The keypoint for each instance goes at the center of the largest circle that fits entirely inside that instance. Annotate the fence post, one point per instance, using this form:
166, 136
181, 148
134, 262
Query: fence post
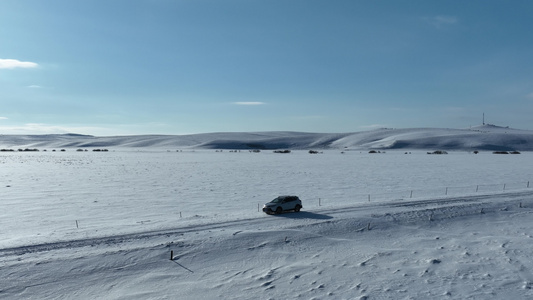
504, 186
477, 188
446, 193
528, 184
411, 194
368, 197
319, 202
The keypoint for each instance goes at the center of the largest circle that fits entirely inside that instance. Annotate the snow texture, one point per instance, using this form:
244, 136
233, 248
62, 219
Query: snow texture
394, 225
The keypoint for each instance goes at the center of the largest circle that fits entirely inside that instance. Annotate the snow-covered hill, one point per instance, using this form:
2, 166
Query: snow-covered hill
485, 137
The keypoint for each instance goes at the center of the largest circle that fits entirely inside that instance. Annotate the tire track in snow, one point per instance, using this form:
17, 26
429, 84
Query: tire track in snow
434, 203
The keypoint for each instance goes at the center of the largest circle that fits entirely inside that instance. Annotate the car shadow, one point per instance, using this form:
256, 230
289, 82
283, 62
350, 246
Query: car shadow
303, 215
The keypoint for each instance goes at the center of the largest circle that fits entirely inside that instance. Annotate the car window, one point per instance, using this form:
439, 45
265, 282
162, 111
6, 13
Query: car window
284, 199
277, 200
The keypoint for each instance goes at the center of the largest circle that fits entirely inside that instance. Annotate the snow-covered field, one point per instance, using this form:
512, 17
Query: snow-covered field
102, 225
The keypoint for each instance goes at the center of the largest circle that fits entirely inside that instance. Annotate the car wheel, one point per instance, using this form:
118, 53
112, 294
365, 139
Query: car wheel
297, 208
278, 210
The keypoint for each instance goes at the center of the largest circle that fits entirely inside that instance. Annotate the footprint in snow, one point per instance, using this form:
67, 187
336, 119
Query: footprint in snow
268, 275
266, 283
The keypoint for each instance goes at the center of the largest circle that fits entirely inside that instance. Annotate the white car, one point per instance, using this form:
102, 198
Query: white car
283, 203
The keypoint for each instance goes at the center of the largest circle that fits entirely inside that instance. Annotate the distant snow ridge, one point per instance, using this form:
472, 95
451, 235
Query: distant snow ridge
485, 137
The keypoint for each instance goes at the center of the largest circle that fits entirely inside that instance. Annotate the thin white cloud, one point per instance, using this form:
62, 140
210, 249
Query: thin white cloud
441, 21
249, 103
14, 63
529, 96
310, 117
34, 86
38, 128
373, 126
3, 118
41, 128
33, 128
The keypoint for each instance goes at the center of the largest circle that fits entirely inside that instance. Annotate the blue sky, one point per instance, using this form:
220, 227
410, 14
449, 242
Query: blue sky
122, 67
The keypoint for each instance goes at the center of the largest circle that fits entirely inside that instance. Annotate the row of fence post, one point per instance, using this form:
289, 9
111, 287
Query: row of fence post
411, 193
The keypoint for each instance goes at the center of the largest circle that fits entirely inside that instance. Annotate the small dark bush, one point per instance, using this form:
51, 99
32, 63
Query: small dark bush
282, 151
438, 152
28, 150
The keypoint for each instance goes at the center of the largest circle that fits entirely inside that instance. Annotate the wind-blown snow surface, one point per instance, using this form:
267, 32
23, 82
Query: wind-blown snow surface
102, 225
486, 137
